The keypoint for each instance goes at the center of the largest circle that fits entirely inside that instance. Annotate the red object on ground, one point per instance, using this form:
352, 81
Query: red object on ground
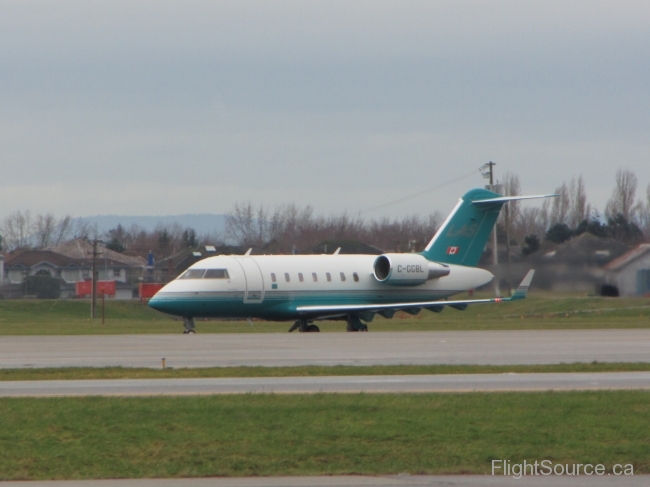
85, 288
148, 289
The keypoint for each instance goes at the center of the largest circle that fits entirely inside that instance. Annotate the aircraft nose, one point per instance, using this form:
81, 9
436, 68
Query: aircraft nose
155, 303
159, 303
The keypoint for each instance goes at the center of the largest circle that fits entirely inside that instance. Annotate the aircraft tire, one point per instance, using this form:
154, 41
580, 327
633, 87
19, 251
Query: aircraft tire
313, 328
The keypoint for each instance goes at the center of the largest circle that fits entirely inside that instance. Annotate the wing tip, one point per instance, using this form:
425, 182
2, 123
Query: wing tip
524, 285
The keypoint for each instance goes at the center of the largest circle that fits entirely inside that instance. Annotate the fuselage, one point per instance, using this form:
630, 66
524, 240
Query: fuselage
273, 286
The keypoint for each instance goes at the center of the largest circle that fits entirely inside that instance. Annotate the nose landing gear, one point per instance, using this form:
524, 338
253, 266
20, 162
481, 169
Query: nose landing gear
188, 323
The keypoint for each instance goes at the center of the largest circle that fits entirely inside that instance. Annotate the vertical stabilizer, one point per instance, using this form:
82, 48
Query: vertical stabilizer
462, 237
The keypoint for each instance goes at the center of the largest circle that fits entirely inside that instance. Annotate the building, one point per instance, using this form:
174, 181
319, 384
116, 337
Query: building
630, 273
72, 262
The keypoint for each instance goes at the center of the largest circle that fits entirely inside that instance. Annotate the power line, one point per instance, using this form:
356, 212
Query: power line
419, 193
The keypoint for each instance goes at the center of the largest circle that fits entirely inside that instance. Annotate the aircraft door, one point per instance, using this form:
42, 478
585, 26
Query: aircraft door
254, 281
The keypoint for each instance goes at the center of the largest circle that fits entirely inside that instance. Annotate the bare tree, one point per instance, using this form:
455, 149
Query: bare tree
18, 229
247, 226
511, 187
531, 221
579, 209
644, 216
622, 201
63, 230
561, 206
288, 228
44, 230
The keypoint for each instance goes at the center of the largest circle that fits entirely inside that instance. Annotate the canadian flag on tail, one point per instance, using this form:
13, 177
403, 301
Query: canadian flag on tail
452, 250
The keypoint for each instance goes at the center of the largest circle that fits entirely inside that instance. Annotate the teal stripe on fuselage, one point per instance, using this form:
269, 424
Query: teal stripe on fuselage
279, 305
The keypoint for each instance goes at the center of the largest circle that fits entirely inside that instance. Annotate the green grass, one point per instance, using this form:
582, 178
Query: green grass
87, 373
543, 311
77, 438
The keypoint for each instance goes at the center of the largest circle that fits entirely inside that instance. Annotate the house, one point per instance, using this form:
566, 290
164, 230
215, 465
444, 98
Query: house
577, 265
630, 273
72, 262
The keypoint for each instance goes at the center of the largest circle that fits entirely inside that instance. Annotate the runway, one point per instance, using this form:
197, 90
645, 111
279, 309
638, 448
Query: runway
355, 481
338, 384
296, 349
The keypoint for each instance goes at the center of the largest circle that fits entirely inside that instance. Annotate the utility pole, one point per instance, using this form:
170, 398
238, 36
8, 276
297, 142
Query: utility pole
93, 300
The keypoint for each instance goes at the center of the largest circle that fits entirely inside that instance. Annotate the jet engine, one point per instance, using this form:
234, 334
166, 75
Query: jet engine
407, 269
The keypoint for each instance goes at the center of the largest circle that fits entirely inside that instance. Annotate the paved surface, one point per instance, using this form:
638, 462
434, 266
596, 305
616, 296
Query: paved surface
357, 481
275, 349
352, 384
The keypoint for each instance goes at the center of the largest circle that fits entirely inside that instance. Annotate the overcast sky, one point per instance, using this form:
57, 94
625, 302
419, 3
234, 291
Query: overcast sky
160, 107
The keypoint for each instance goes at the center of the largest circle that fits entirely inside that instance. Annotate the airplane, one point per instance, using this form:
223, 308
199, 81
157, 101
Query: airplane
351, 288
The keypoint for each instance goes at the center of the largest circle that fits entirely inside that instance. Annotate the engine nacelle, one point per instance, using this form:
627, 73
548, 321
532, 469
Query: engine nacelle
407, 269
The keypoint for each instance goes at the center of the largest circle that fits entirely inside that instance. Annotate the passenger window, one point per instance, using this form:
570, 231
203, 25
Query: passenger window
342, 277
286, 277
300, 278
329, 276
193, 274
314, 276
216, 274
273, 277
355, 276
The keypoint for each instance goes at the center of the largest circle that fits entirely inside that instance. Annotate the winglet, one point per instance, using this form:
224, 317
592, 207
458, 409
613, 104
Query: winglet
522, 289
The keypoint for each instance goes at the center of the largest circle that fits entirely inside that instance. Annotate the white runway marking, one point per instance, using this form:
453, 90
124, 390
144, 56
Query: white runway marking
338, 384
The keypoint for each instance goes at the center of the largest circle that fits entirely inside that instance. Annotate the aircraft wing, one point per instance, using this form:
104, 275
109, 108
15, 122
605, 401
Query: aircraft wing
520, 293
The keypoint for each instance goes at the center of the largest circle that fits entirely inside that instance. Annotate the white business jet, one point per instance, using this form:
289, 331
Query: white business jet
352, 288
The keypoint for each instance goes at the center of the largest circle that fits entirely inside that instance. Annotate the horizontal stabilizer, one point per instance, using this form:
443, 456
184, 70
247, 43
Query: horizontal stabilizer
505, 199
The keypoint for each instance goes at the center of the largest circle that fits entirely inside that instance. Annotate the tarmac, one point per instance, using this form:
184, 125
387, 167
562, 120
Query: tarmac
298, 349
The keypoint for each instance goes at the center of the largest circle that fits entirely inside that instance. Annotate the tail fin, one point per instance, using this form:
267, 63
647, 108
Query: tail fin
462, 237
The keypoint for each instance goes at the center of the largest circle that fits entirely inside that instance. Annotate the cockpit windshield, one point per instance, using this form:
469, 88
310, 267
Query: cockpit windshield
216, 274
193, 274
205, 274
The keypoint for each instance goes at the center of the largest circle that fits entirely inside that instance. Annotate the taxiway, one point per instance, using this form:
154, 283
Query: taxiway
297, 349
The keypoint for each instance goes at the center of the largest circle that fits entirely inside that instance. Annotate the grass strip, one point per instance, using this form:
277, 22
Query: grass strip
538, 312
81, 373
251, 435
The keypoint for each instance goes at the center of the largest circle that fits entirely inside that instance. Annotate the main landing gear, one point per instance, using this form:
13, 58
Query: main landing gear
188, 323
304, 326
355, 324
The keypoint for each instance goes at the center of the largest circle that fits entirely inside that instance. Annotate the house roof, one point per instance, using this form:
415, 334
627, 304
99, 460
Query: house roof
29, 258
587, 248
629, 257
82, 250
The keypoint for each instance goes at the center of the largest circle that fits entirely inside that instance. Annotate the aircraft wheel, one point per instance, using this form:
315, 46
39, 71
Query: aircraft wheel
313, 328
365, 328
189, 332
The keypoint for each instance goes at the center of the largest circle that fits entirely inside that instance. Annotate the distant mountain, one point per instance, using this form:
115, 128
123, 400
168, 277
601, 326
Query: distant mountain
202, 223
